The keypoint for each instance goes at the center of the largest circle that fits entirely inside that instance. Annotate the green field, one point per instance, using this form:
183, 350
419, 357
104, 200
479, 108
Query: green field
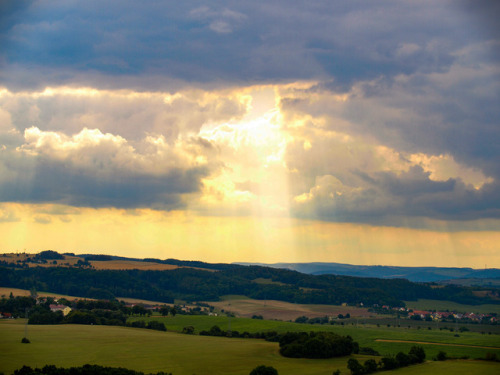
430, 304
152, 351
366, 336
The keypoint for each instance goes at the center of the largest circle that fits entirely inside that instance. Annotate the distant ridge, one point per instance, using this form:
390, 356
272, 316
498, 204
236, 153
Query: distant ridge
415, 274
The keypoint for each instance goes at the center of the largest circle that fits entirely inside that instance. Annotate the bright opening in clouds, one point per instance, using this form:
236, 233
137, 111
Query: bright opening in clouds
352, 131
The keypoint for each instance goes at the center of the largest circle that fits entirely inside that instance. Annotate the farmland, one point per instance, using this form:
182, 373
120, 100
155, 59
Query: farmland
204, 299
467, 343
151, 351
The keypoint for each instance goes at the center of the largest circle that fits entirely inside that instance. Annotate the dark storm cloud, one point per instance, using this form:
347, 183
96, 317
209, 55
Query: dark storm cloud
62, 183
152, 43
386, 198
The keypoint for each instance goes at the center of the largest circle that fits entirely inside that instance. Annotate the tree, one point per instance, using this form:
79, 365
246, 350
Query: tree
264, 370
164, 310
403, 359
139, 309
355, 367
216, 331
441, 356
156, 325
301, 319
389, 363
416, 354
370, 366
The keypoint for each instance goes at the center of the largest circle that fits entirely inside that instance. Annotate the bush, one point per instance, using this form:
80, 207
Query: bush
389, 363
441, 356
316, 345
491, 356
45, 317
370, 366
368, 351
158, 326
301, 319
355, 367
137, 324
264, 370
403, 359
416, 354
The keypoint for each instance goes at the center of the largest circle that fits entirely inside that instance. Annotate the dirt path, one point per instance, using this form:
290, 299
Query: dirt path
439, 343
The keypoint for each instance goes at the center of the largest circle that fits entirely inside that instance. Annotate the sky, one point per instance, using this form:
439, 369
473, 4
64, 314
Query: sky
361, 132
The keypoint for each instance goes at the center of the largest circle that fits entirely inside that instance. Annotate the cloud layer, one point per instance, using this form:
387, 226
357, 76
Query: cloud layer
124, 44
364, 112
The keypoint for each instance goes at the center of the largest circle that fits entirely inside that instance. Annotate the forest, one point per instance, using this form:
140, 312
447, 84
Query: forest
216, 280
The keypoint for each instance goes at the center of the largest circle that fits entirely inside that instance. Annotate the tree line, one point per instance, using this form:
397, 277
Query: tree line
80, 370
415, 355
195, 285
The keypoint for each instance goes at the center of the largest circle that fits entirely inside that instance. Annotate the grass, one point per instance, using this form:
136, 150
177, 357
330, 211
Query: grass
366, 336
152, 351
145, 350
460, 367
429, 304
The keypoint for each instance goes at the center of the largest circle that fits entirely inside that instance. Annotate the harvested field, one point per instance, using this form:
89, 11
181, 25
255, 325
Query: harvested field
280, 310
130, 265
5, 292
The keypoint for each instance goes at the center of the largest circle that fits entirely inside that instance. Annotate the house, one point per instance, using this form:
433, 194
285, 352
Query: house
65, 309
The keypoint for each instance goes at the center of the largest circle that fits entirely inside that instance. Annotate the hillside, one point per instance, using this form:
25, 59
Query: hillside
197, 281
416, 274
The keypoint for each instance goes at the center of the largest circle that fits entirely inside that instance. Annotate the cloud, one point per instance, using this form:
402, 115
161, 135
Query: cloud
388, 150
126, 113
222, 22
387, 198
95, 169
7, 214
151, 46
42, 219
386, 110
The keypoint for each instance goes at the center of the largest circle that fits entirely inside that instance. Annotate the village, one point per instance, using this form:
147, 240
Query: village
450, 316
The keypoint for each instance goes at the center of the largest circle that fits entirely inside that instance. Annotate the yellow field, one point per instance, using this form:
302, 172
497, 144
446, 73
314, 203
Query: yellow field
70, 260
5, 292
270, 309
130, 265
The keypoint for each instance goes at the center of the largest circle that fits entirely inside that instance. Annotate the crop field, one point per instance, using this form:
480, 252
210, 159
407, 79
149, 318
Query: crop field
271, 309
5, 292
472, 344
130, 265
152, 351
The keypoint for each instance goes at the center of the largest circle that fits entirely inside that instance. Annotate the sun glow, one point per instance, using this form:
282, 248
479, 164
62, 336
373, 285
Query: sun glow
254, 149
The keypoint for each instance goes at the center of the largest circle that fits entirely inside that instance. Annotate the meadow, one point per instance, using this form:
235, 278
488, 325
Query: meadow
471, 344
152, 351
